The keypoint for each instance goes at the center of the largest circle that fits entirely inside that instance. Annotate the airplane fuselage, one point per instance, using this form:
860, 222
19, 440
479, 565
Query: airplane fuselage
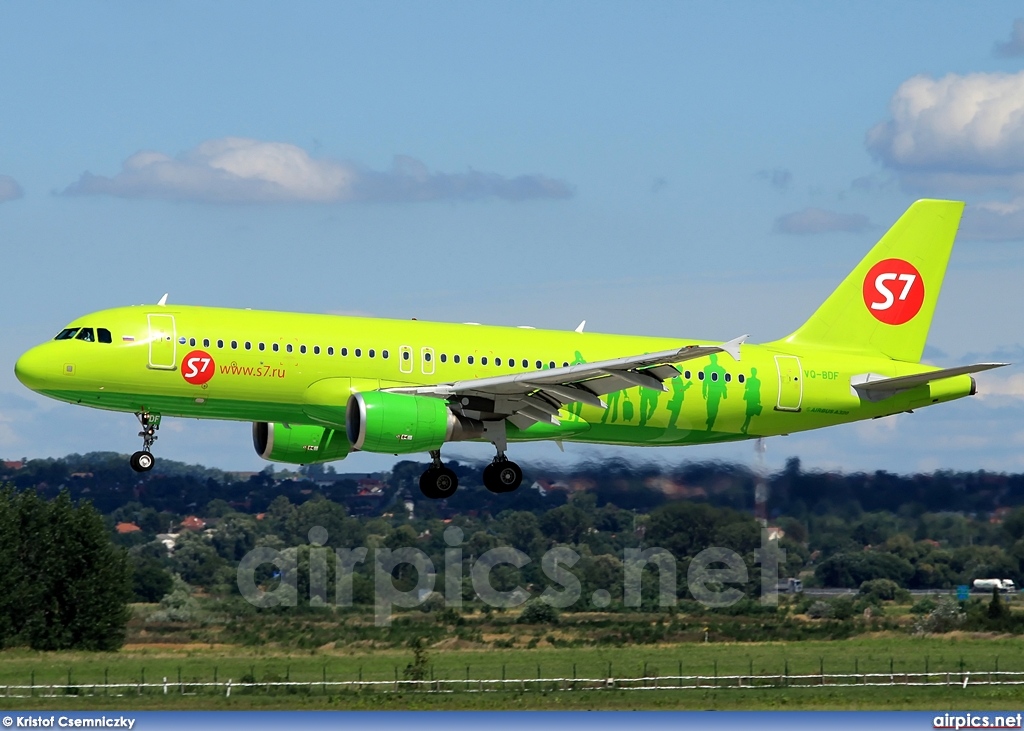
213, 363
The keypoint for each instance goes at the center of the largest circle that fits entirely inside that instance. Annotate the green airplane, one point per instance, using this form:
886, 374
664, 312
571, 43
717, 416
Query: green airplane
317, 387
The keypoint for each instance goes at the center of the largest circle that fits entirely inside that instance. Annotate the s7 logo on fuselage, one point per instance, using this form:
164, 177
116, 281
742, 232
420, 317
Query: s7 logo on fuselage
893, 291
197, 367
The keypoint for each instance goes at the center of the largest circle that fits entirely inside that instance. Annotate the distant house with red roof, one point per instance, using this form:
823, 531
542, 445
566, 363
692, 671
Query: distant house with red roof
126, 528
193, 523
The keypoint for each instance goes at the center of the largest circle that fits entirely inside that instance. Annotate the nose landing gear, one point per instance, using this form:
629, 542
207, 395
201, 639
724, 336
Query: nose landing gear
143, 460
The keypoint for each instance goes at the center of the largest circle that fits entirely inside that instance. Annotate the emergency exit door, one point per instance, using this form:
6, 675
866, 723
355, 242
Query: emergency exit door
791, 385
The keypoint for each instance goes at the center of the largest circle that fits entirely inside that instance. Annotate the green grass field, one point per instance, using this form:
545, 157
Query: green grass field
50, 673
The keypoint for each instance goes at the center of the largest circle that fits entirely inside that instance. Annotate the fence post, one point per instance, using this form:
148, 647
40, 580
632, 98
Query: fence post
680, 681
106, 676
180, 688
165, 685
323, 680
716, 672
856, 670
32, 685
142, 686
821, 669
228, 694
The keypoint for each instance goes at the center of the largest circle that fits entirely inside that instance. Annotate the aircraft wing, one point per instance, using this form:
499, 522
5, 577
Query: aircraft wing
526, 398
874, 387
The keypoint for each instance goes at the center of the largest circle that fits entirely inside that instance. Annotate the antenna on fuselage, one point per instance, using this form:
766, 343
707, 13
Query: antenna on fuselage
579, 328
163, 300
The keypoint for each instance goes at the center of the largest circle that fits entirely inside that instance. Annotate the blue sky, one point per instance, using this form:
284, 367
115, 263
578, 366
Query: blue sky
694, 169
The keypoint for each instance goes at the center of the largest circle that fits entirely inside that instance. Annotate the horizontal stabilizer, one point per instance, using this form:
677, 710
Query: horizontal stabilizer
874, 387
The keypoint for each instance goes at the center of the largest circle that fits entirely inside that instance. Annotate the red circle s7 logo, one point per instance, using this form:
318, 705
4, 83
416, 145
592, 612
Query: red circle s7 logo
893, 291
197, 367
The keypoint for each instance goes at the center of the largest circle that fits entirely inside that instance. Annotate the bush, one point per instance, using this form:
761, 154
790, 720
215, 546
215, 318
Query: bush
923, 606
946, 617
884, 589
821, 610
538, 612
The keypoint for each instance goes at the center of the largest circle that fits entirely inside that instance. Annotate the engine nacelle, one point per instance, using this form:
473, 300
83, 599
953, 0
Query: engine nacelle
298, 443
398, 423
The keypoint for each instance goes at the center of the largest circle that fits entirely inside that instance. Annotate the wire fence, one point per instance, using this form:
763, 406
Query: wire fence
522, 685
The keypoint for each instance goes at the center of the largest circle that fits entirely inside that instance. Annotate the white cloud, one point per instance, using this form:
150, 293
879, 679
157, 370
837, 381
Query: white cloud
9, 189
966, 130
994, 390
239, 170
818, 221
1014, 46
994, 221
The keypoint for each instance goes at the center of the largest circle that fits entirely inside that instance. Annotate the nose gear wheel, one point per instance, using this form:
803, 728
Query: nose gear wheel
143, 460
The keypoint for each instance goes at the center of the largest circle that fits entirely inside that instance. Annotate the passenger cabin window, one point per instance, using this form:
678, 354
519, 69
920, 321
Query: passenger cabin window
86, 334
67, 333
288, 347
104, 335
206, 342
275, 347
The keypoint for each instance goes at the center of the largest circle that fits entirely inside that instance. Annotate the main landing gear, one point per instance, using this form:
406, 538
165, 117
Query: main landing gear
143, 460
438, 482
502, 475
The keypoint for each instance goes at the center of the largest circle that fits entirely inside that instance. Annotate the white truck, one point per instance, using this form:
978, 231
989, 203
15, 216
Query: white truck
1003, 585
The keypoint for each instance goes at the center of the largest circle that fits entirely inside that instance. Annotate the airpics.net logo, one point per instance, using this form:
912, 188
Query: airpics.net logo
894, 291
716, 577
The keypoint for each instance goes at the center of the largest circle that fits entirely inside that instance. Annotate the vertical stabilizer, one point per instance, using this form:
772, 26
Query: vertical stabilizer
886, 304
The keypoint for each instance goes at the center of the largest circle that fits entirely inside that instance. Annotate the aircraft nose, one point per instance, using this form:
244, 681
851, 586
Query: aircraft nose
31, 369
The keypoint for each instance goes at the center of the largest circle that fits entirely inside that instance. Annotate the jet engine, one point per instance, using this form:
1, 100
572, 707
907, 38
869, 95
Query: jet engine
397, 423
298, 443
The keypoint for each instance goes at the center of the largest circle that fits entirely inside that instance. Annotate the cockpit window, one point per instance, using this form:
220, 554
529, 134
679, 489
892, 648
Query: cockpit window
67, 333
104, 335
86, 334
